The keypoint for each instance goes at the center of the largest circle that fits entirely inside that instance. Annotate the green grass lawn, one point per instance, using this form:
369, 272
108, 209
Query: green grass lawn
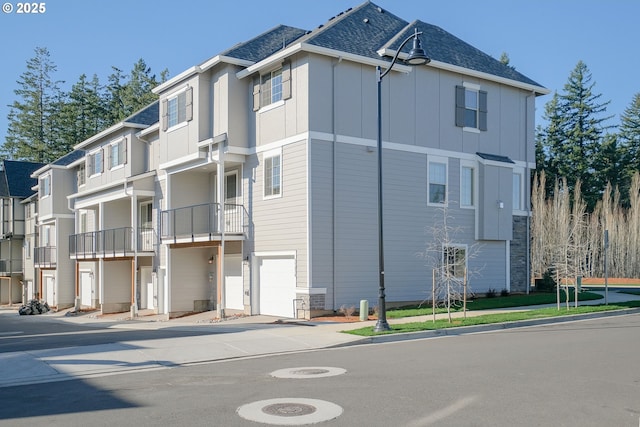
493, 318
493, 303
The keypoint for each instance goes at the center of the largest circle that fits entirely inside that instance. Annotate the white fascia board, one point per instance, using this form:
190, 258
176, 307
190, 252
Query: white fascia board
146, 131
119, 183
78, 162
200, 155
41, 170
304, 47
112, 129
197, 69
486, 76
183, 75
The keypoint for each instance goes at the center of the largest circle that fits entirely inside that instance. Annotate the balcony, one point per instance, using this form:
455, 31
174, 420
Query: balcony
10, 266
45, 257
113, 243
201, 222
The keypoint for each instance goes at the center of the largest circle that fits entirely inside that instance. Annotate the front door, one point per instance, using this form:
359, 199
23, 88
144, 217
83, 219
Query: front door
86, 289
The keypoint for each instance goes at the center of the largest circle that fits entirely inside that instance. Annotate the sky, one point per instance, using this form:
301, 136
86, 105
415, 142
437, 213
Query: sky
544, 39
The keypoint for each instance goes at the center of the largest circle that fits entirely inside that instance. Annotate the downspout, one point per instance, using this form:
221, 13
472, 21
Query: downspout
527, 184
333, 195
134, 267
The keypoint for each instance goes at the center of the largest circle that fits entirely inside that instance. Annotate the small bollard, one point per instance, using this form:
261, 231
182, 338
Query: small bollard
364, 310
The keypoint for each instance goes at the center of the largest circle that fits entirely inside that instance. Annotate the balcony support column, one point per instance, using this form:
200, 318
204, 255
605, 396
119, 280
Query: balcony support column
221, 223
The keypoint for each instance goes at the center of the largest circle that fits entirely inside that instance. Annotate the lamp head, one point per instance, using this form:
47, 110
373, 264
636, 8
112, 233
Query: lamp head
417, 55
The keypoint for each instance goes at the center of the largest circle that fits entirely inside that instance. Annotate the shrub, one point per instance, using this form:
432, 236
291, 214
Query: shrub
347, 311
491, 293
547, 283
504, 293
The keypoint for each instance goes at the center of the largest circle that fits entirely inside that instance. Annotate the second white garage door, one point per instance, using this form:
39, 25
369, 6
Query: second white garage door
277, 282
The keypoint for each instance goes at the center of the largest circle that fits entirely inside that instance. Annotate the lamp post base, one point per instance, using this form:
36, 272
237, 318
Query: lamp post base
381, 326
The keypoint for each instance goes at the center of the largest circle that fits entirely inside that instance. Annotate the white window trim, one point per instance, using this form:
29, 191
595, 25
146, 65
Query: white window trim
266, 155
175, 95
445, 161
84, 174
520, 207
41, 181
111, 144
271, 106
466, 254
476, 88
474, 191
90, 156
270, 73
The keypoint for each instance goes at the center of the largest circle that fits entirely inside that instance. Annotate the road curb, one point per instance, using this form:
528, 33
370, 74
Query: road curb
464, 330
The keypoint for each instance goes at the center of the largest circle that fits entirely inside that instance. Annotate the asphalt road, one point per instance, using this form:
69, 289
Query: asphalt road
574, 374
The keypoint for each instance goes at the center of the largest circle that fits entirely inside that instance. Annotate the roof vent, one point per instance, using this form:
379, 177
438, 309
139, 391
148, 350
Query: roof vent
380, 9
365, 20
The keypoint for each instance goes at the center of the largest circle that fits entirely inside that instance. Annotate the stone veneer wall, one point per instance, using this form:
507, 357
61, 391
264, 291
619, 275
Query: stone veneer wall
519, 270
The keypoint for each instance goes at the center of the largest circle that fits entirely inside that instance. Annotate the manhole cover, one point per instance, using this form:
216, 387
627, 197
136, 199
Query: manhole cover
289, 409
308, 372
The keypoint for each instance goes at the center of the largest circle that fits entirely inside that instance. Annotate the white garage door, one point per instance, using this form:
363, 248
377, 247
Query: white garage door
277, 283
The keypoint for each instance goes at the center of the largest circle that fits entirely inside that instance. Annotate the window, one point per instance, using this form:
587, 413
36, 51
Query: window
117, 153
272, 87
82, 222
471, 107
467, 185
517, 191
455, 261
27, 247
272, 174
45, 186
81, 175
177, 108
95, 162
146, 215
437, 182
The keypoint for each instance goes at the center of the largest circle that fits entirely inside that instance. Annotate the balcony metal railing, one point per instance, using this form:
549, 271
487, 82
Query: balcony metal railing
195, 221
10, 266
45, 257
115, 242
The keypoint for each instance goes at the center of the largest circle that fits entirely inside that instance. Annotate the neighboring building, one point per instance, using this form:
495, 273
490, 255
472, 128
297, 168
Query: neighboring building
15, 186
114, 243
54, 271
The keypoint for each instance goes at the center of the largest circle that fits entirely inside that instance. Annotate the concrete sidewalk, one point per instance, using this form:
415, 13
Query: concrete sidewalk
234, 338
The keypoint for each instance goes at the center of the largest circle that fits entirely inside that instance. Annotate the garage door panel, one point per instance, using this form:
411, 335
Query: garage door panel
277, 286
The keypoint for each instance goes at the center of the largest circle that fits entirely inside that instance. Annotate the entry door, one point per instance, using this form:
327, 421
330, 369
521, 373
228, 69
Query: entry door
148, 293
86, 289
146, 227
233, 292
49, 283
232, 212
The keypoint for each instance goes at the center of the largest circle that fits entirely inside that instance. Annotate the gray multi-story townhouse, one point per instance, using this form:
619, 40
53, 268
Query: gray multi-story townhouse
15, 187
254, 188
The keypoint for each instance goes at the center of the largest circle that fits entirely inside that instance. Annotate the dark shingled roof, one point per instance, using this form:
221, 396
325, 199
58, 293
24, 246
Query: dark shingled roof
146, 116
67, 159
15, 178
366, 29
495, 158
266, 44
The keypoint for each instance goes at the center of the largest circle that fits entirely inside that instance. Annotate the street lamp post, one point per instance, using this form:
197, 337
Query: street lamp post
416, 56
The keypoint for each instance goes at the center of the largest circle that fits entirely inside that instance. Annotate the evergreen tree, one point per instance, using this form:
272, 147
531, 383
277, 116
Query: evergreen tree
572, 140
83, 112
629, 131
550, 155
114, 98
608, 162
33, 119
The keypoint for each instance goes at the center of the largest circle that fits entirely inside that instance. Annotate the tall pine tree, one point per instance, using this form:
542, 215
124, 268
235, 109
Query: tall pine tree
34, 119
629, 131
573, 138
